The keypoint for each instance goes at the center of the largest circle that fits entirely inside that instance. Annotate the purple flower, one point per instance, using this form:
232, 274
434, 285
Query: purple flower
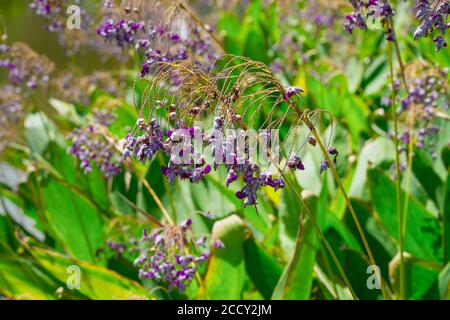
218, 244
187, 223
291, 91
90, 146
163, 256
324, 165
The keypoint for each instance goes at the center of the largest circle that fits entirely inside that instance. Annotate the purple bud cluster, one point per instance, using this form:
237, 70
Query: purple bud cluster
164, 256
291, 91
182, 156
145, 146
428, 98
324, 165
11, 111
51, 11
90, 146
295, 162
433, 16
244, 168
365, 9
159, 41
25, 67
183, 163
122, 32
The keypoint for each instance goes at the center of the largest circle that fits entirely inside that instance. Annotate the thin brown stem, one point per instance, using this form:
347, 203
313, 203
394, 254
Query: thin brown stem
322, 237
347, 200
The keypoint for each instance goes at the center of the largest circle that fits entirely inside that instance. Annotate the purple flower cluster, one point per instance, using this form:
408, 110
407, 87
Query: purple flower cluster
154, 56
182, 156
123, 32
145, 146
164, 257
90, 146
50, 10
11, 112
365, 9
25, 67
183, 163
253, 181
244, 168
428, 98
295, 162
433, 17
159, 41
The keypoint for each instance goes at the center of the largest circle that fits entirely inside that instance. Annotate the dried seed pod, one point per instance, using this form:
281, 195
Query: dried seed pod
312, 141
332, 150
141, 124
236, 117
173, 116
195, 110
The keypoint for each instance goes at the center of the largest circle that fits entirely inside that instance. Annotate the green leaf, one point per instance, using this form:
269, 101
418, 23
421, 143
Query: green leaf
419, 276
425, 174
74, 220
229, 26
446, 218
296, 280
423, 232
92, 185
373, 153
21, 279
225, 276
444, 283
354, 72
355, 112
261, 267
39, 131
95, 282
10, 208
289, 216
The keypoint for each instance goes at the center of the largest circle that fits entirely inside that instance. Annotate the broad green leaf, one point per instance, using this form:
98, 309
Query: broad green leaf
444, 283
425, 174
423, 232
419, 277
10, 208
95, 282
229, 26
373, 153
289, 216
74, 220
39, 131
225, 276
65, 110
354, 72
92, 185
296, 280
262, 268
355, 112
21, 279
446, 218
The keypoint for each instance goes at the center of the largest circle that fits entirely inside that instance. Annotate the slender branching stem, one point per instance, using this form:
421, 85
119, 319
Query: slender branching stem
347, 200
157, 200
398, 173
322, 236
404, 214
